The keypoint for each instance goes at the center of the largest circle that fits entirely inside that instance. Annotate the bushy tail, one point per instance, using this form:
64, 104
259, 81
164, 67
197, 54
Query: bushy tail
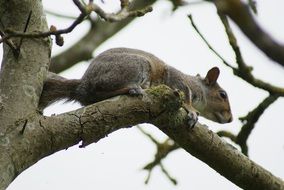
57, 89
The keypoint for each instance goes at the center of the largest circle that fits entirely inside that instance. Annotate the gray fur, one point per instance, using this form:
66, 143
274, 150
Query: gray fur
112, 71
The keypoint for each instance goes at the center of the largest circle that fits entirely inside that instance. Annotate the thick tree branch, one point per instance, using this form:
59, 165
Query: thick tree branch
21, 81
43, 136
222, 157
160, 106
22, 75
239, 12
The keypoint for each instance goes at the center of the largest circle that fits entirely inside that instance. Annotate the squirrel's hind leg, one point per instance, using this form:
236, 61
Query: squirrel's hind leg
131, 89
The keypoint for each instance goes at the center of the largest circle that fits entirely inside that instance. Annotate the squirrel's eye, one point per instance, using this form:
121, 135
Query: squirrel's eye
223, 94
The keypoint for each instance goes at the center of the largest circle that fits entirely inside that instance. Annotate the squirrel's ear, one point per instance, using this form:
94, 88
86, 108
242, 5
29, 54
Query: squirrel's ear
212, 76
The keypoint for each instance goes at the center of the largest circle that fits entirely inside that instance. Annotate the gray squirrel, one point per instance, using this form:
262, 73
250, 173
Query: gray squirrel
120, 71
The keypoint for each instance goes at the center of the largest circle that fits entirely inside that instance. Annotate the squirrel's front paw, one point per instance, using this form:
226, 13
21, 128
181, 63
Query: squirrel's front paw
136, 91
192, 118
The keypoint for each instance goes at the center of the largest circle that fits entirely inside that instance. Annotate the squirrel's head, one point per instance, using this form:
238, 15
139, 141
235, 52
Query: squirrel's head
216, 106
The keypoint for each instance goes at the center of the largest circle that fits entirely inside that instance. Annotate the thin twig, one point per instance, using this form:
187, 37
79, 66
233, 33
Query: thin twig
85, 10
240, 13
163, 149
250, 120
252, 5
244, 71
148, 135
173, 180
69, 29
227, 134
207, 43
10, 43
122, 14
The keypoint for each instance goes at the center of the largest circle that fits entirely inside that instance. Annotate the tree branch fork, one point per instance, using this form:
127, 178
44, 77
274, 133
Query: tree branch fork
161, 106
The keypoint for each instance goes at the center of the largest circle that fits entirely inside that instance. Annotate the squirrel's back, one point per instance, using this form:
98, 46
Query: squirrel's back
118, 70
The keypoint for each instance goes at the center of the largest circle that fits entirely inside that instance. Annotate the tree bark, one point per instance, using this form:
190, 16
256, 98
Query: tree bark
21, 78
224, 158
38, 136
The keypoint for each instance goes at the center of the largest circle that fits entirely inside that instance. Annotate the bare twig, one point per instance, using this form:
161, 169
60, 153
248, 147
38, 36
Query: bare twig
240, 14
85, 10
69, 29
163, 149
244, 71
227, 134
250, 120
208, 44
97, 34
10, 43
173, 180
252, 5
122, 14
148, 135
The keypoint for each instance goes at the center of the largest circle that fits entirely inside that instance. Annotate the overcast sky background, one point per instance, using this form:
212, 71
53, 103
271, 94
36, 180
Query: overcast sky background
115, 162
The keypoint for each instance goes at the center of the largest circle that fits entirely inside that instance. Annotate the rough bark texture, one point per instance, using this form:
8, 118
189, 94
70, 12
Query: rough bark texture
21, 77
21, 80
21, 147
224, 158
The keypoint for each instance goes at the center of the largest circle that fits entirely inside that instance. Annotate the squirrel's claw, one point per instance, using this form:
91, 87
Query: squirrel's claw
137, 91
192, 118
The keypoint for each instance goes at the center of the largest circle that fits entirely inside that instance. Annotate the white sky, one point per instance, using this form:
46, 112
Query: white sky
116, 161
